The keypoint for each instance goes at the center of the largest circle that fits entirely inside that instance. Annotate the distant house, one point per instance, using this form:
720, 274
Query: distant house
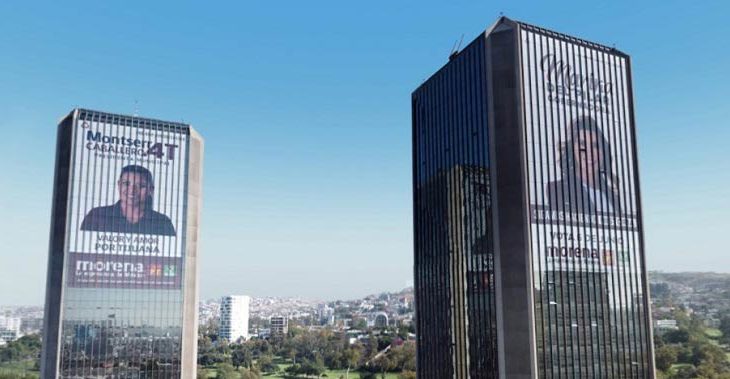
665, 324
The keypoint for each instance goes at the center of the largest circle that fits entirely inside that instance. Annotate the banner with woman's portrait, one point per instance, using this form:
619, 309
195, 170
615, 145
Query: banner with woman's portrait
580, 155
127, 205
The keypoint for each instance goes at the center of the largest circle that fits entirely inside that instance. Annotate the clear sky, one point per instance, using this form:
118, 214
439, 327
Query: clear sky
305, 108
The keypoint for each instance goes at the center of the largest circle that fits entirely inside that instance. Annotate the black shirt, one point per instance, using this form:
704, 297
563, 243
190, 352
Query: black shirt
567, 196
111, 219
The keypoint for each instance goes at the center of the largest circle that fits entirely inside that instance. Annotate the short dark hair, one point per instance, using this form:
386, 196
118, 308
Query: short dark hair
134, 169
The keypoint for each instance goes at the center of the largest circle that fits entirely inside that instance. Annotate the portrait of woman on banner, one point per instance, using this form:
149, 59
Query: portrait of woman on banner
587, 183
133, 212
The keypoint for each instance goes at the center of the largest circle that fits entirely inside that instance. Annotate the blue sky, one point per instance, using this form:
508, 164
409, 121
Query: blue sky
305, 108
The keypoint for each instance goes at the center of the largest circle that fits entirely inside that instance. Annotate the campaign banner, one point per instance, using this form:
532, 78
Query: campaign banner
103, 270
581, 249
127, 189
578, 138
580, 156
541, 214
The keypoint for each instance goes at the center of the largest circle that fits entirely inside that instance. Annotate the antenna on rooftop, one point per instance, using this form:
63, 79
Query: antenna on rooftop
456, 47
136, 108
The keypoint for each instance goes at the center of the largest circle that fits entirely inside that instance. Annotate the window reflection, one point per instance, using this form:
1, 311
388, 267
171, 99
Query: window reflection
454, 268
121, 338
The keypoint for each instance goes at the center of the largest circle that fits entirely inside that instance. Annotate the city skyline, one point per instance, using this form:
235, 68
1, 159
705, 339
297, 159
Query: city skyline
307, 181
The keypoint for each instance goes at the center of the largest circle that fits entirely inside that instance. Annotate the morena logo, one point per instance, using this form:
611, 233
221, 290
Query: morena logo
109, 266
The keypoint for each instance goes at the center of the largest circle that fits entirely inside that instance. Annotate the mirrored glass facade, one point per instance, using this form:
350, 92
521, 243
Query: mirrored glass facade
454, 268
529, 257
121, 296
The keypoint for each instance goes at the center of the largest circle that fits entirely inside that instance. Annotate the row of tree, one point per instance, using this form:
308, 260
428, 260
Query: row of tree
689, 352
24, 348
20, 354
309, 353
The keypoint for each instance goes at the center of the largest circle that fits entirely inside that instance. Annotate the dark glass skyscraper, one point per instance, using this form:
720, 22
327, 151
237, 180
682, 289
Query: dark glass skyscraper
529, 255
121, 296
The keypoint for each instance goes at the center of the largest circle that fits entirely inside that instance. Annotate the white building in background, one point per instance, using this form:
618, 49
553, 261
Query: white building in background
234, 317
9, 329
666, 324
10, 323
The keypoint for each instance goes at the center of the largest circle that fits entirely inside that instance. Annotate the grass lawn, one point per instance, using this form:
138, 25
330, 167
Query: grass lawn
678, 365
330, 374
18, 369
285, 363
333, 374
713, 333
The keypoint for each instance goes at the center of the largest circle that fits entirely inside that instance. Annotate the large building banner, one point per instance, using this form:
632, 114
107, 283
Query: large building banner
127, 206
580, 156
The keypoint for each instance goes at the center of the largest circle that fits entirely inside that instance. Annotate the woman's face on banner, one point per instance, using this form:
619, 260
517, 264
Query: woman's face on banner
134, 189
588, 152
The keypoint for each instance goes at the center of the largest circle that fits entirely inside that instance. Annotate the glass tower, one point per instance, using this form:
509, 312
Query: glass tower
121, 297
529, 255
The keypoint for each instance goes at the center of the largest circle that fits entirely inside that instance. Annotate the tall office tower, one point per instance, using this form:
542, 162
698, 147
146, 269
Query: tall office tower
122, 287
529, 252
234, 317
